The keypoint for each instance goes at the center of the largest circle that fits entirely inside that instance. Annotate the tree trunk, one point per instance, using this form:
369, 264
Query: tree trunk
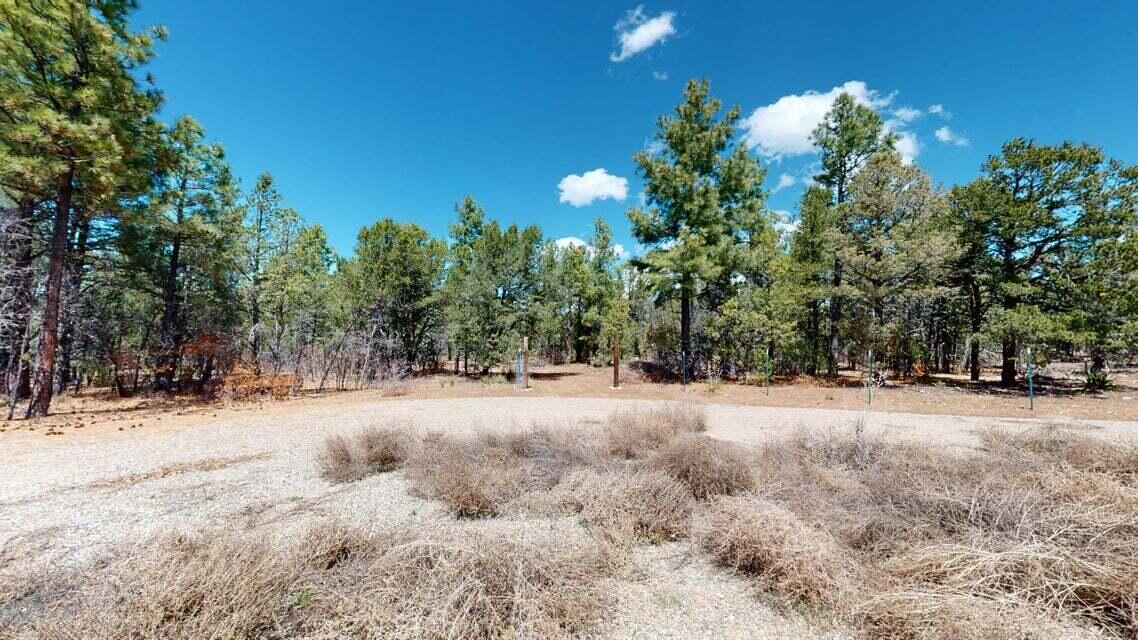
1008, 368
45, 365
77, 254
835, 319
16, 377
976, 312
167, 329
812, 337
685, 327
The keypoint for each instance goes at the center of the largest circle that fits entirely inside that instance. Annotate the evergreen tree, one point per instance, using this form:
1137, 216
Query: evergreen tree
896, 248
702, 190
846, 138
1037, 204
72, 115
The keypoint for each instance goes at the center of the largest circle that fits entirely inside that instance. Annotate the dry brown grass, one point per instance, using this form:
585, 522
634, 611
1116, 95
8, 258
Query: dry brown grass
471, 478
439, 582
791, 559
918, 614
634, 434
458, 583
176, 587
708, 467
1031, 536
373, 450
1039, 527
205, 464
627, 506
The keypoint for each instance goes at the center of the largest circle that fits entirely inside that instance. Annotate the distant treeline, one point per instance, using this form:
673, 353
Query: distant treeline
130, 256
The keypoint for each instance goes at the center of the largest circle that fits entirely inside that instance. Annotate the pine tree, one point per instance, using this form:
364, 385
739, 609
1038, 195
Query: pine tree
1037, 204
73, 117
896, 248
702, 190
846, 138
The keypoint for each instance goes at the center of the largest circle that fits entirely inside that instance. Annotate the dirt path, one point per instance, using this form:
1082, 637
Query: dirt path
94, 416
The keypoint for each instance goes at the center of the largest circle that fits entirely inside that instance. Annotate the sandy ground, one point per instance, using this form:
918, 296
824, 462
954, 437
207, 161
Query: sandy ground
73, 498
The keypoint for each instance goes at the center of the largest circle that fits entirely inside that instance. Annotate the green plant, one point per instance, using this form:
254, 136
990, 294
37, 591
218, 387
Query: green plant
302, 597
1098, 381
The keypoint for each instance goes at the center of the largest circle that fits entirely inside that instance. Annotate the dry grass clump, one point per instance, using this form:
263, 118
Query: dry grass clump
1036, 526
176, 587
709, 467
474, 478
792, 559
333, 583
458, 583
644, 505
1055, 445
373, 450
922, 614
1095, 586
633, 434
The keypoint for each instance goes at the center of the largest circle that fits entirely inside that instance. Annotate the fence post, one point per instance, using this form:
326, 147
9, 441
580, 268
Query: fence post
525, 362
869, 381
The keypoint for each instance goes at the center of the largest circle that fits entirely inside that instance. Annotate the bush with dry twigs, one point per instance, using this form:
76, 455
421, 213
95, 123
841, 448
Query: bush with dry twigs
1039, 526
626, 506
437, 582
634, 434
373, 450
791, 558
708, 467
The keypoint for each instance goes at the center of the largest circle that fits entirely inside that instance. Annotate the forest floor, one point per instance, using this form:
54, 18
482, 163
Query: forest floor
114, 472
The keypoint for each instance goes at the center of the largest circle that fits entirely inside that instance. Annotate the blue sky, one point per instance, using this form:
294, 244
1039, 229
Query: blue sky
365, 109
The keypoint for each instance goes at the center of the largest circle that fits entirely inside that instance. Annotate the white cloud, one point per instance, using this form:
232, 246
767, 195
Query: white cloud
948, 136
572, 242
785, 180
907, 114
784, 223
939, 110
660, 75
569, 242
908, 146
654, 147
637, 32
591, 186
783, 128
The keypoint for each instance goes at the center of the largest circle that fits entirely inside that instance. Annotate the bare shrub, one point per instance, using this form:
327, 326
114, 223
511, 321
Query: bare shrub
1039, 525
1058, 446
794, 560
929, 614
644, 505
472, 477
548, 451
709, 467
1090, 584
458, 583
178, 587
336, 582
633, 434
373, 450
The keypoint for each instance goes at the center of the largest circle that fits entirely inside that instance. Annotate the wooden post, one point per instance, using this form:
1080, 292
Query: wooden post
525, 362
616, 364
